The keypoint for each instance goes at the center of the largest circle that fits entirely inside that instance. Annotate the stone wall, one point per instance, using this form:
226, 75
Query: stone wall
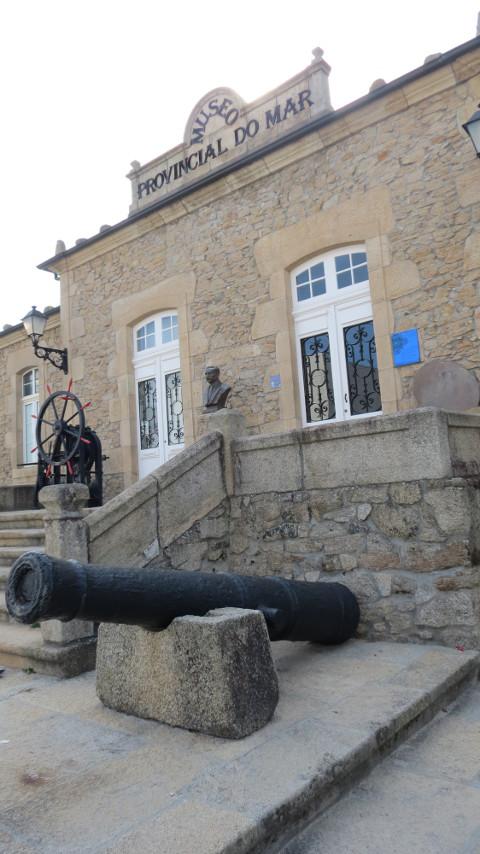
395, 172
407, 544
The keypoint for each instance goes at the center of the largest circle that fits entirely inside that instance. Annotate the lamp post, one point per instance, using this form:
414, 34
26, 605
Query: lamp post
34, 323
472, 127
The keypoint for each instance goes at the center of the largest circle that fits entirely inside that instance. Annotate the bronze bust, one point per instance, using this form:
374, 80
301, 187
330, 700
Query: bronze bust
216, 394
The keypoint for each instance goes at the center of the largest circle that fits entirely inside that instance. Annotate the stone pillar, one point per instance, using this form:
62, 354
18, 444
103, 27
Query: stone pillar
231, 423
65, 537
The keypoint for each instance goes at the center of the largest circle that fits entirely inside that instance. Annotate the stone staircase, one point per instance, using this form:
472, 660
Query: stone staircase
20, 531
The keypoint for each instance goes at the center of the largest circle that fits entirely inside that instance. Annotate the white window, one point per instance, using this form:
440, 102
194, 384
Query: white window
337, 359
169, 328
158, 391
152, 334
145, 337
29, 413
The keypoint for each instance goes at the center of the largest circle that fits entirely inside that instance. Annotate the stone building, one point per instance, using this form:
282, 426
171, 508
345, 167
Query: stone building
327, 261
318, 257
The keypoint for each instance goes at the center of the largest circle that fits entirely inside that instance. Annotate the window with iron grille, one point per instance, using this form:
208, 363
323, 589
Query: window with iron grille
338, 369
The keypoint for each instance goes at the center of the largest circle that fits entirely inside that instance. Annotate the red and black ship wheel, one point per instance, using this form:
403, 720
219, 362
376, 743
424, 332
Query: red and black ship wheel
59, 433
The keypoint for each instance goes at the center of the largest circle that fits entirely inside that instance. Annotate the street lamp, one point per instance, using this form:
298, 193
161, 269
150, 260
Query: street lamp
34, 323
472, 127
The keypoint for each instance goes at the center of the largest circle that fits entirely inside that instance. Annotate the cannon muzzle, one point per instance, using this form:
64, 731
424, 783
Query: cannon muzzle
43, 588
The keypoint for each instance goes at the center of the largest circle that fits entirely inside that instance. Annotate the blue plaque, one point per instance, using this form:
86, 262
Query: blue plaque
405, 348
275, 381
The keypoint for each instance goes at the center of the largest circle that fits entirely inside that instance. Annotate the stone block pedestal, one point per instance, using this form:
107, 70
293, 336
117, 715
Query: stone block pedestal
211, 674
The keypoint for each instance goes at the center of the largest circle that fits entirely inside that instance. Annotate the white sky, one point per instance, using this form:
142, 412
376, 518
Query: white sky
89, 86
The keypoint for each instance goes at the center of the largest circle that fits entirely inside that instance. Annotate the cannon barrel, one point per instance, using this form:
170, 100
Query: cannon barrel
43, 588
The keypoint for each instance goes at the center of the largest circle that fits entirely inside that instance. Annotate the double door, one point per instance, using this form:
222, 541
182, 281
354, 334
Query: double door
160, 432
338, 371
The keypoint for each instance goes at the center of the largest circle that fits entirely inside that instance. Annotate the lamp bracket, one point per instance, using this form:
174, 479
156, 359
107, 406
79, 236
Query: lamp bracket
57, 358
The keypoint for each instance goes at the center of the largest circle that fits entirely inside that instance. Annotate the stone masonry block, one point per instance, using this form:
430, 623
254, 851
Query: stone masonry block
451, 507
121, 529
211, 674
257, 468
401, 447
449, 609
189, 486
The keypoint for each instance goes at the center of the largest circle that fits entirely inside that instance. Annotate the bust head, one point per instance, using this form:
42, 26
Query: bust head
216, 392
212, 374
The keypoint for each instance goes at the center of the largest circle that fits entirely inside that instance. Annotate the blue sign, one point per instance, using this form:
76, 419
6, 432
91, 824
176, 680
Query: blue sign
405, 348
275, 381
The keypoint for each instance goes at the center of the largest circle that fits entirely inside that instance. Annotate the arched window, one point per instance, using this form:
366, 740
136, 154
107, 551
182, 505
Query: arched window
154, 334
337, 359
29, 411
158, 390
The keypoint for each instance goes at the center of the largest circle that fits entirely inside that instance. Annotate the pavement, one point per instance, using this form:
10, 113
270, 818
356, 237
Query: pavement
77, 778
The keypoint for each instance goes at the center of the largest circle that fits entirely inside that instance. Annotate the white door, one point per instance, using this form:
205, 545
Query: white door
158, 385
338, 372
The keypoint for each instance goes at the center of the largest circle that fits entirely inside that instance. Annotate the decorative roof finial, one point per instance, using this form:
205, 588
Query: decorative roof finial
317, 54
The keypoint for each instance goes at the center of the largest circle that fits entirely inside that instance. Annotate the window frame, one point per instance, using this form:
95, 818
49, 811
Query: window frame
155, 363
26, 401
158, 329
331, 313
333, 293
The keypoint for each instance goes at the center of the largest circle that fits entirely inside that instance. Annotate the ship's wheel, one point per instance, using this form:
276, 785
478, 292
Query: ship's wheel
60, 430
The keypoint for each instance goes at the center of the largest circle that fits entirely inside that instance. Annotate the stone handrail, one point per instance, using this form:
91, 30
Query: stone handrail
135, 525
422, 443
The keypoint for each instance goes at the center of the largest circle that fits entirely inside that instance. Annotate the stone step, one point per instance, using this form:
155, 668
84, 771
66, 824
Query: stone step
22, 647
10, 553
4, 615
21, 519
424, 797
25, 537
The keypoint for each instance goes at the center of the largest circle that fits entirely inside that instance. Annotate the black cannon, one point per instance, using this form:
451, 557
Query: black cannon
42, 588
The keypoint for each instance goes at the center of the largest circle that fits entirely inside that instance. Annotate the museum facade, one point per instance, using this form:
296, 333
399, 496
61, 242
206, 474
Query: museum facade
322, 259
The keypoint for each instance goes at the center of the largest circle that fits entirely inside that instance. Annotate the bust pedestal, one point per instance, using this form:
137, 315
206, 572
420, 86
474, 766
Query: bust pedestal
231, 423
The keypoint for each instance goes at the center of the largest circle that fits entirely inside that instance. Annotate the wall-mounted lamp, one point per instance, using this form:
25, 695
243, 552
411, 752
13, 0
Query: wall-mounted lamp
34, 323
472, 127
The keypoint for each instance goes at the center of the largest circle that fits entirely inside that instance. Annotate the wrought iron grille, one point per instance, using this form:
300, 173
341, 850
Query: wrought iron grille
317, 378
147, 410
362, 370
173, 394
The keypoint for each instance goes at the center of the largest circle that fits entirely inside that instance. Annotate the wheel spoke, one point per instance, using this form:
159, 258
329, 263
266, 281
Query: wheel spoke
79, 410
65, 399
42, 442
52, 401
